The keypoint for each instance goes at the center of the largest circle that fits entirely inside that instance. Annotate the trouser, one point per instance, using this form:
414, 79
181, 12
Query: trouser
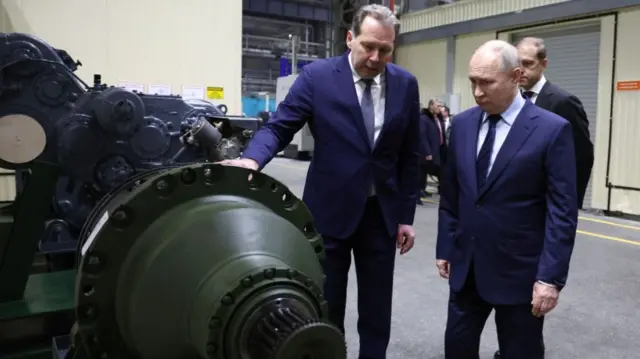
374, 253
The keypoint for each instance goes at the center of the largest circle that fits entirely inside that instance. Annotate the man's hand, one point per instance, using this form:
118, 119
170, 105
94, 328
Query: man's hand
405, 239
545, 298
241, 162
428, 158
443, 268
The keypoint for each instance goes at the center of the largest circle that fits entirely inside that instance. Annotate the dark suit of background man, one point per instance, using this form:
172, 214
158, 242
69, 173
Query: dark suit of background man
434, 135
508, 212
545, 94
361, 186
426, 155
535, 87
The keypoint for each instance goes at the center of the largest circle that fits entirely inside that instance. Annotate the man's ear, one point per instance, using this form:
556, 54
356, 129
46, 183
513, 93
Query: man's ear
350, 38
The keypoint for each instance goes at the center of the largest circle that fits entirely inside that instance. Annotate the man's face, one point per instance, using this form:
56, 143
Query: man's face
372, 48
435, 108
493, 89
532, 67
444, 112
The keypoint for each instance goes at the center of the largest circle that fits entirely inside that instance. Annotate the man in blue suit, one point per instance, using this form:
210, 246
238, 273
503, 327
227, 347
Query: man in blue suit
362, 184
508, 212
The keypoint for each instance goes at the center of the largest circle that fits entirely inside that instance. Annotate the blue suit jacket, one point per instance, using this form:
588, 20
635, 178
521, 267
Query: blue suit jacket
520, 227
344, 165
430, 136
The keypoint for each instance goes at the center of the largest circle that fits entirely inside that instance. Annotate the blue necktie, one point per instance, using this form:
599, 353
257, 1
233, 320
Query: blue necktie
484, 157
366, 106
528, 94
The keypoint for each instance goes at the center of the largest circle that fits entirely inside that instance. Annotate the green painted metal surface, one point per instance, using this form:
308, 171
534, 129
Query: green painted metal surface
44, 293
199, 262
27, 325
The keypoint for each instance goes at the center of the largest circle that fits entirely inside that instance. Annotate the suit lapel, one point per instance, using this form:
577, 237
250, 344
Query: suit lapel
520, 131
544, 97
344, 79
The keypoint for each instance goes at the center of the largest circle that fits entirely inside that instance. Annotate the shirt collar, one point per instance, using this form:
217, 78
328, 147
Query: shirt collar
510, 114
538, 86
356, 77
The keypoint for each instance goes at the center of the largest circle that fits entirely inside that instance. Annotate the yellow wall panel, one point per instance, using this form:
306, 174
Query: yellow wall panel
7, 185
625, 149
427, 62
600, 193
466, 45
145, 42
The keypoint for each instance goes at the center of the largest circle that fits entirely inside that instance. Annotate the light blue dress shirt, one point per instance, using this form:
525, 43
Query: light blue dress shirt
502, 127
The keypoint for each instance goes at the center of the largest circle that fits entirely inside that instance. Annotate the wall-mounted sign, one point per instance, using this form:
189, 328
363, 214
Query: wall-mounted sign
215, 93
628, 85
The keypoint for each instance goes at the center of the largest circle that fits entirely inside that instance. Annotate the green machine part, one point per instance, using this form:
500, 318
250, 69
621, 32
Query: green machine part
203, 261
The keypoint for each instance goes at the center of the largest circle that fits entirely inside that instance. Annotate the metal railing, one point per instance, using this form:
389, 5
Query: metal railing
265, 46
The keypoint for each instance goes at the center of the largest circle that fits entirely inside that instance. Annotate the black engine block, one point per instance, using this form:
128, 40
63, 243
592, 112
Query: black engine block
98, 136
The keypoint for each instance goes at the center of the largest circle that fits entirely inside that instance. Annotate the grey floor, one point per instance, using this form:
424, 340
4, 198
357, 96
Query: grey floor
598, 316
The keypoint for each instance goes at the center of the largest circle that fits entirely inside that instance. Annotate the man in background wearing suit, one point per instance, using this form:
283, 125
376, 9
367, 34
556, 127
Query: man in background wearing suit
508, 212
435, 131
432, 139
362, 182
536, 88
427, 156
545, 94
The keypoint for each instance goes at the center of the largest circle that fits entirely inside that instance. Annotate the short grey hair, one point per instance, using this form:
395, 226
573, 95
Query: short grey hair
378, 12
507, 53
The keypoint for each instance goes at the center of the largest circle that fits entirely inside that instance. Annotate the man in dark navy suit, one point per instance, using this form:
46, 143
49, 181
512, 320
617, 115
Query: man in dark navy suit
536, 88
508, 212
432, 142
543, 93
362, 182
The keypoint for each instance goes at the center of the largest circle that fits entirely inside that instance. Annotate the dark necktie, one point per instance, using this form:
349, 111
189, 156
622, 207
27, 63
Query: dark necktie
484, 157
366, 105
528, 94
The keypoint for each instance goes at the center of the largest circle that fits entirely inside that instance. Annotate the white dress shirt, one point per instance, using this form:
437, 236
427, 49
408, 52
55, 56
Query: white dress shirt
378, 94
502, 128
537, 88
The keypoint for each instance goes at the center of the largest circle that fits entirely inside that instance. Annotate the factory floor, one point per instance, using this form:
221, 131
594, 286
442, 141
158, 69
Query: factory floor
597, 316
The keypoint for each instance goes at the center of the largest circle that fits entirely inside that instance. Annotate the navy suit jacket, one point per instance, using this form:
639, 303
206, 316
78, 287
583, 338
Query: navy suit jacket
430, 135
345, 164
520, 226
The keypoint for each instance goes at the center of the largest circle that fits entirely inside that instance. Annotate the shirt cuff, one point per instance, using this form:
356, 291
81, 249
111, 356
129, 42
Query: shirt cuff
546, 284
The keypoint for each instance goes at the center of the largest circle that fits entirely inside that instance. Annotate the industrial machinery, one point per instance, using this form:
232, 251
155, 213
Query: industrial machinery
174, 256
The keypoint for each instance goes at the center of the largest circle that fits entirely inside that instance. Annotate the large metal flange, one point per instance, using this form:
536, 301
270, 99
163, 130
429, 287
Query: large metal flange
120, 221
254, 283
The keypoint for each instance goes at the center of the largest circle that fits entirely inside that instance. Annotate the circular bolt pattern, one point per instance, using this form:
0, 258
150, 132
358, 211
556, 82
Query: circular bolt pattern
269, 273
127, 205
227, 299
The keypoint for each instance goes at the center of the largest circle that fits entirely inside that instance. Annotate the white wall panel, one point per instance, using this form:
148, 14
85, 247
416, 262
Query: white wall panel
466, 45
465, 10
625, 148
187, 42
427, 62
161, 42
